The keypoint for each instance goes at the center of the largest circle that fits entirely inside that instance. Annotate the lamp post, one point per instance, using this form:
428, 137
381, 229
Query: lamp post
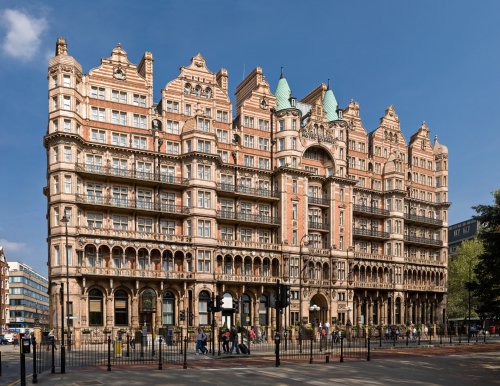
350, 281
302, 243
65, 221
468, 288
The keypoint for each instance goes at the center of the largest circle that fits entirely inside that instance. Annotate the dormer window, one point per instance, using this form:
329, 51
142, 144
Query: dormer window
187, 88
208, 93
293, 101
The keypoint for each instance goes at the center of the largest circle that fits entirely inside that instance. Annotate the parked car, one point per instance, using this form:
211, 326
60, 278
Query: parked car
9, 338
3, 340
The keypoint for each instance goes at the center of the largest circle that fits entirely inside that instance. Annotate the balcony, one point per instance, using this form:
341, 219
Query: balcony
371, 233
319, 252
142, 205
369, 256
318, 201
135, 273
249, 245
131, 234
423, 240
423, 220
313, 225
128, 174
261, 219
374, 211
425, 287
377, 285
246, 190
231, 277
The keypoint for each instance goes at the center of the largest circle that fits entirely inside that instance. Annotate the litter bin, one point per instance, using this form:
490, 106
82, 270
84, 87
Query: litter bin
493, 329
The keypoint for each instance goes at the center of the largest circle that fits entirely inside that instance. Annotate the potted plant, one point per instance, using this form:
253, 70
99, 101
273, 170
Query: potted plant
86, 331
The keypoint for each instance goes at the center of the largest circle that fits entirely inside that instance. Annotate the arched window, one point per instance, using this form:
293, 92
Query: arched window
248, 266
117, 258
148, 302
208, 92
187, 88
168, 309
397, 311
121, 308
197, 91
228, 265
143, 259
168, 262
90, 253
203, 307
265, 271
263, 319
96, 316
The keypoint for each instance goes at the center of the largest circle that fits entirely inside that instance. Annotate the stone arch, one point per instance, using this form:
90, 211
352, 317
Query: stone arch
179, 261
326, 157
103, 256
130, 256
155, 256
238, 265
275, 267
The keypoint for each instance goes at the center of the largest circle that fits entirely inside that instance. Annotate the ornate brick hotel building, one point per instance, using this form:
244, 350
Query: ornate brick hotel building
169, 203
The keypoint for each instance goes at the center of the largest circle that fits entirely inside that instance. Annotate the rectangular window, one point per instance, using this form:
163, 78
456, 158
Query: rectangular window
167, 227
281, 144
139, 100
204, 124
94, 220
119, 139
263, 163
204, 261
67, 125
204, 228
263, 125
67, 184
172, 148
119, 96
140, 142
245, 234
263, 144
248, 160
224, 155
172, 127
281, 125
187, 109
139, 121
118, 117
248, 121
203, 146
222, 136
97, 114
204, 200
67, 154
120, 222
66, 102
204, 172
248, 141
227, 233
144, 225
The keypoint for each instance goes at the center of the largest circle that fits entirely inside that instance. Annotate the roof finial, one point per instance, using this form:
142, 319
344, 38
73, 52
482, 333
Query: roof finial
435, 138
282, 75
328, 84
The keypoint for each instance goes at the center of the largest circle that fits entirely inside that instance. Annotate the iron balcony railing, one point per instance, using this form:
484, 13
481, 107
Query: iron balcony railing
423, 240
318, 200
259, 218
246, 190
319, 225
371, 233
134, 174
371, 210
423, 219
131, 204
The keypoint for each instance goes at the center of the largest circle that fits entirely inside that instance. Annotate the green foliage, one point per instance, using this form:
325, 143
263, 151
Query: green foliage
461, 272
487, 284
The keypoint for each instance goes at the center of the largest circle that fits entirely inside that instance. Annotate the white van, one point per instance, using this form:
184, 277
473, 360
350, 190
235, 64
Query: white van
9, 337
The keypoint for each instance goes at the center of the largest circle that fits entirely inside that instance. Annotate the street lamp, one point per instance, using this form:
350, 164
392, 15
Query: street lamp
350, 281
65, 221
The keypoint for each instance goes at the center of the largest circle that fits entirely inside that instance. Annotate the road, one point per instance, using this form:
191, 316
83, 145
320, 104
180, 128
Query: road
453, 366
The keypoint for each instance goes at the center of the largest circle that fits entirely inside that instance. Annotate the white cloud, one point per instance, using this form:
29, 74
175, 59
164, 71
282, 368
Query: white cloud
22, 40
11, 246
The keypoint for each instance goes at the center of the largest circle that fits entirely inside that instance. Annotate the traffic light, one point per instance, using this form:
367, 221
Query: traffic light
182, 316
285, 295
236, 306
191, 318
211, 307
218, 303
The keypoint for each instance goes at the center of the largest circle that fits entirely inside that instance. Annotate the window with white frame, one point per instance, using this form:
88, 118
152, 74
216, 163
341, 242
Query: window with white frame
263, 144
55, 154
172, 107
67, 125
118, 117
204, 228
139, 100
119, 139
172, 127
144, 199
97, 92
66, 102
245, 234
187, 109
67, 184
94, 192
248, 140
139, 121
67, 154
167, 227
204, 199
118, 96
203, 146
222, 136
97, 114
264, 236
227, 232
120, 196
281, 144
119, 166
281, 125
248, 121
263, 125
249, 160
140, 142
204, 124
204, 172
264, 163
224, 155
172, 147
204, 260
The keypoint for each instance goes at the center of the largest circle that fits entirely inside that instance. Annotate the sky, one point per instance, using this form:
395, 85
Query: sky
435, 61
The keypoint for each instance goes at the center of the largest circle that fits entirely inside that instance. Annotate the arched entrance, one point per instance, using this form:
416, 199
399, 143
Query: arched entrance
147, 308
318, 310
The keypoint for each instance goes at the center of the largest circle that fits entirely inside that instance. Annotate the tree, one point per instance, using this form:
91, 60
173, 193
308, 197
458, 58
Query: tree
461, 269
487, 284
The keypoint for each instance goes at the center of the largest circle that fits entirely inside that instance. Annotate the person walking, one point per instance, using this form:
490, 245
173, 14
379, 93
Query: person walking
200, 338
233, 338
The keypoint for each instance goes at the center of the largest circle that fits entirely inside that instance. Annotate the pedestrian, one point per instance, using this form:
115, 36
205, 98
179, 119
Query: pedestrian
252, 335
200, 338
327, 327
233, 338
225, 341
132, 342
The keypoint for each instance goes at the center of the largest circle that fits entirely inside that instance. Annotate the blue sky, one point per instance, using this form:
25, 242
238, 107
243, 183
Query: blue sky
437, 61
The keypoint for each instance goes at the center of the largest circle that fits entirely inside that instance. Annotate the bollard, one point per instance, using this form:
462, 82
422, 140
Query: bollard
35, 375
341, 349
419, 339
63, 359
380, 337
441, 339
109, 353
407, 337
368, 356
450, 338
483, 342
327, 359
160, 364
185, 366
53, 346
300, 343
311, 352
128, 345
